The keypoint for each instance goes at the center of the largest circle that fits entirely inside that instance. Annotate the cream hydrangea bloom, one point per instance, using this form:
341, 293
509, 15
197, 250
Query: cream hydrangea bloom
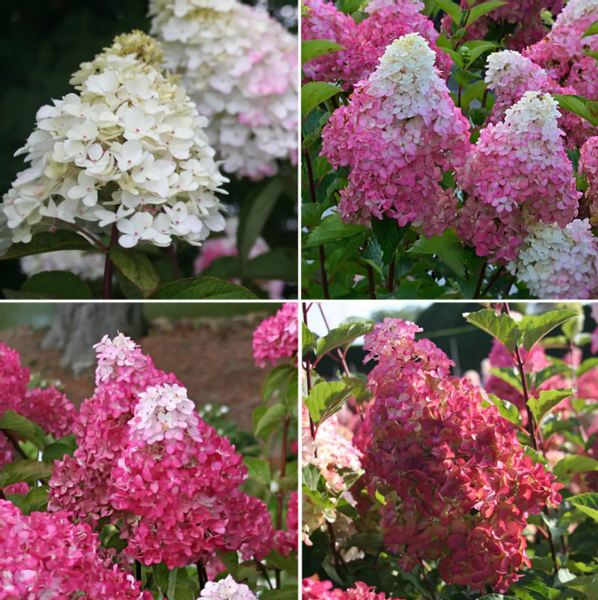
128, 149
240, 66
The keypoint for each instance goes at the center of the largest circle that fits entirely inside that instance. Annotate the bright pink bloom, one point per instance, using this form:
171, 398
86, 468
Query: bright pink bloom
146, 459
505, 195
277, 337
398, 133
463, 487
322, 590
47, 556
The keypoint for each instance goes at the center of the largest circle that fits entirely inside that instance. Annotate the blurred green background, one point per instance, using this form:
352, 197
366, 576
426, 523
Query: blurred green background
42, 42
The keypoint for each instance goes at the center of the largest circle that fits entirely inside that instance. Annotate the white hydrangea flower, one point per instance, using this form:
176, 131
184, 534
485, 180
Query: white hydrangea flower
86, 265
115, 353
575, 10
241, 68
164, 412
121, 145
559, 263
226, 589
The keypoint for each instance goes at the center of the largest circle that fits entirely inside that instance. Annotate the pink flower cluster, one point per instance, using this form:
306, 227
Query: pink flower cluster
366, 41
398, 133
460, 487
562, 51
588, 165
277, 337
288, 541
322, 590
510, 75
149, 464
505, 195
47, 556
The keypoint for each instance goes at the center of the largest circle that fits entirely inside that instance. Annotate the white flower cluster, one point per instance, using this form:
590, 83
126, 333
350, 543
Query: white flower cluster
129, 148
538, 109
575, 10
559, 263
164, 412
226, 589
86, 265
241, 68
112, 354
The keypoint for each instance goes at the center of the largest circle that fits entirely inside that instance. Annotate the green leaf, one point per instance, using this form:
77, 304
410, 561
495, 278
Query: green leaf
457, 58
254, 215
342, 337
313, 556
477, 48
269, 420
26, 471
570, 465
586, 584
292, 395
389, 234
279, 263
288, 592
471, 92
202, 288
366, 540
587, 365
55, 285
325, 399
23, 428
315, 48
136, 267
172, 577
35, 501
447, 247
502, 326
496, 597
587, 503
509, 377
451, 9
506, 410
591, 30
183, 594
546, 401
314, 93
308, 341
62, 239
276, 380
330, 229
576, 105
550, 371
538, 327
349, 6
479, 10
258, 469
161, 573
56, 451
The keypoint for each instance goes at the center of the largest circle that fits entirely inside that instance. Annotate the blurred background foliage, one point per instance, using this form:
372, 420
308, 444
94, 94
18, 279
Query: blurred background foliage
42, 42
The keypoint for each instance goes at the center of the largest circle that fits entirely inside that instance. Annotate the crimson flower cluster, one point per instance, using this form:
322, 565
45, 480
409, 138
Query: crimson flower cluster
147, 463
457, 484
277, 337
322, 590
47, 556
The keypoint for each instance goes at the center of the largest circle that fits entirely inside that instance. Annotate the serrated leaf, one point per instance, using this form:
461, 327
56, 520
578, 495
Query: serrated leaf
26, 471
202, 288
40, 243
136, 267
314, 93
509, 377
457, 58
161, 573
325, 399
269, 420
23, 428
550, 371
586, 584
389, 234
451, 9
587, 365
546, 401
342, 337
570, 465
277, 379
36, 500
538, 327
330, 229
312, 49
576, 105
505, 409
587, 503
479, 10
502, 326
258, 469
308, 341
447, 247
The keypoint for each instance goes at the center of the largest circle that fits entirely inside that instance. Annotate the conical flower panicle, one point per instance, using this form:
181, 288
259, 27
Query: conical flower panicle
505, 195
398, 133
458, 486
129, 149
146, 459
240, 67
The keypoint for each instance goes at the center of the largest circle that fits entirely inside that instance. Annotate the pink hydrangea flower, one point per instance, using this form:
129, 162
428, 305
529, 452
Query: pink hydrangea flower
146, 460
47, 556
322, 590
562, 51
277, 337
505, 195
288, 541
462, 488
398, 133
